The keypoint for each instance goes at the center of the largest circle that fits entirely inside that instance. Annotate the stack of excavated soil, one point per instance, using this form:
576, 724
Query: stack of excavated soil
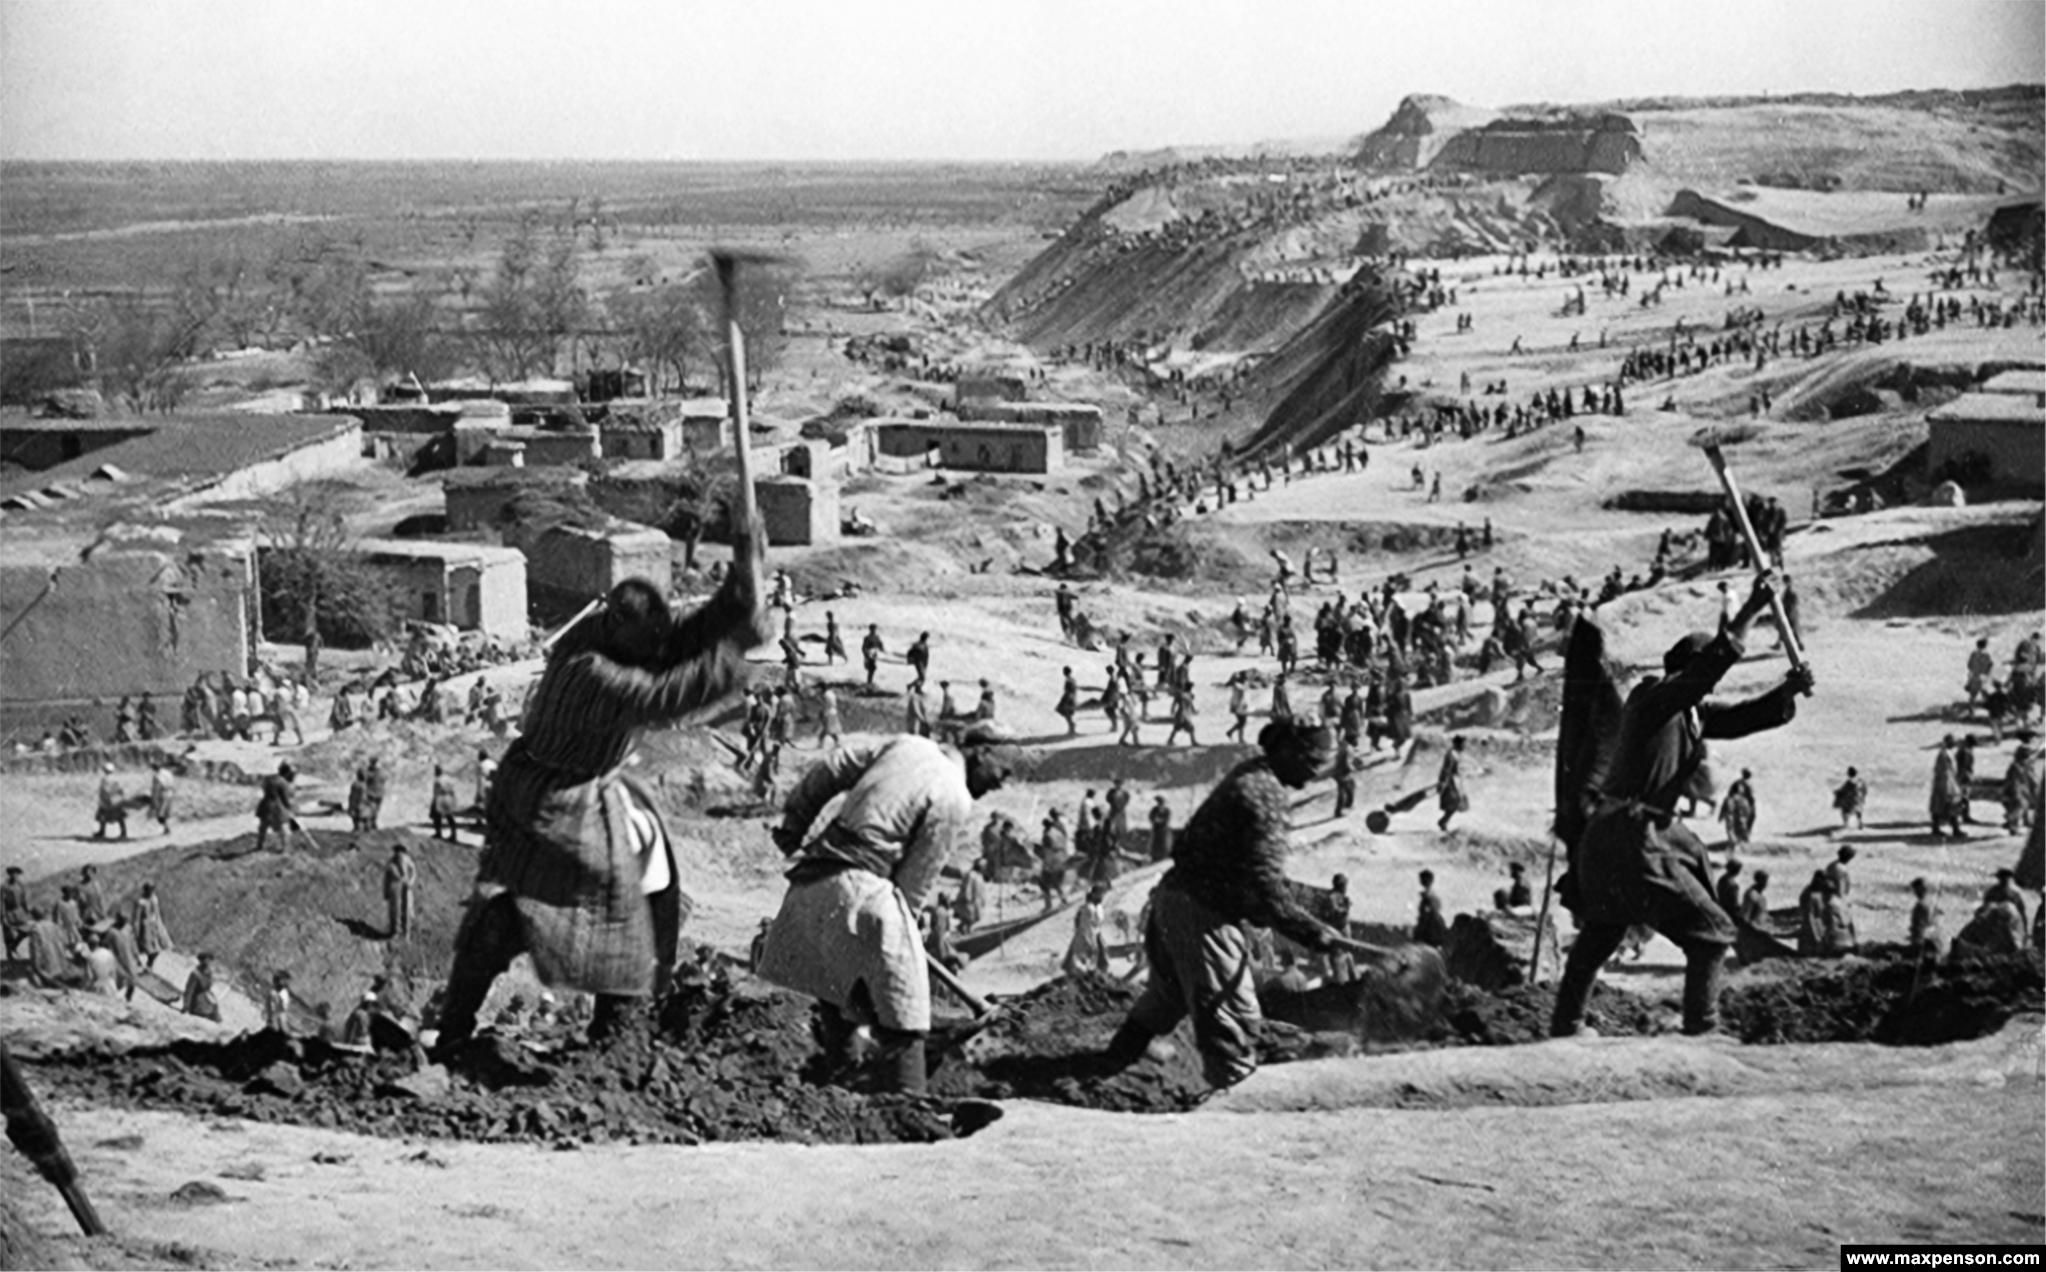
718, 1061
722, 1063
318, 913
1043, 1043
1891, 1001
1474, 1018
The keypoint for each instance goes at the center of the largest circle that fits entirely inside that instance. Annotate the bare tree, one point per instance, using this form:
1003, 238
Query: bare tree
232, 297
321, 283
560, 302
390, 336
534, 298
316, 585
763, 293
662, 329
702, 503
139, 348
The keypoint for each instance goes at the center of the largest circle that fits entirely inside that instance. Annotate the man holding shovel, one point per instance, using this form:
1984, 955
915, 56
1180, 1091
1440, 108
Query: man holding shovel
847, 931
1228, 870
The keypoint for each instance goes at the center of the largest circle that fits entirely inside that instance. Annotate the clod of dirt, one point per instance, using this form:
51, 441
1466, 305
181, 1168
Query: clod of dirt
199, 1193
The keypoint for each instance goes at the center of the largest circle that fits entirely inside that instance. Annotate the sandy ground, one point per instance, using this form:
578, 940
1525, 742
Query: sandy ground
1618, 1153
1778, 1154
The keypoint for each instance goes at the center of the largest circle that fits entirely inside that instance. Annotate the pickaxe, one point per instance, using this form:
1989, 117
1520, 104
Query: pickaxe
1711, 440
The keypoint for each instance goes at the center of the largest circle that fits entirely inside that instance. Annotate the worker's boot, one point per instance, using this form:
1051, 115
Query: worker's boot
457, 1020
1703, 971
900, 1068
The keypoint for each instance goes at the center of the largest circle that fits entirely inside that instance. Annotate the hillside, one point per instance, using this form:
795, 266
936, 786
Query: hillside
1237, 256
1942, 142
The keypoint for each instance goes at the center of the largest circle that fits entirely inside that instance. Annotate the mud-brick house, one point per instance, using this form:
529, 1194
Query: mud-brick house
116, 574
476, 587
2029, 384
643, 430
797, 510
116, 612
1079, 422
567, 566
981, 446
476, 497
1992, 440
38, 444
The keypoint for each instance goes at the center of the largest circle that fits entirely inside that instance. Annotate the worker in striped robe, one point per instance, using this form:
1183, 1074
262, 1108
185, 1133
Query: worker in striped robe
576, 867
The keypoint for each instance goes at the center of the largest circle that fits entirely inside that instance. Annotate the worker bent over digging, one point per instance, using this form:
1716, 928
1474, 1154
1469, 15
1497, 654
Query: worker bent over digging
1228, 869
576, 867
847, 931
1634, 861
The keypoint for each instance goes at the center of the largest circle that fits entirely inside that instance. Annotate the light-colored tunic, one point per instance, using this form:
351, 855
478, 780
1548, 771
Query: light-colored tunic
905, 811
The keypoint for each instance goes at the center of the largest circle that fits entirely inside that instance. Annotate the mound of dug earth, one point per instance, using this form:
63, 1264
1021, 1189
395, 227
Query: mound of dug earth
1043, 1046
717, 1061
1891, 1001
318, 913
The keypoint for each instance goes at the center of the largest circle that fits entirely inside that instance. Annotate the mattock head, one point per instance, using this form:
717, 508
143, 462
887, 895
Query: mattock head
728, 259
1713, 438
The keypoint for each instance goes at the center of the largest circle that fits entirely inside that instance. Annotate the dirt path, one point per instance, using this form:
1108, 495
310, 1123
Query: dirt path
1781, 1155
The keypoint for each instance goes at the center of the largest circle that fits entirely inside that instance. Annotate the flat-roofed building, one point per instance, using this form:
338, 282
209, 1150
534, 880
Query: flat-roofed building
477, 587
980, 446
1995, 440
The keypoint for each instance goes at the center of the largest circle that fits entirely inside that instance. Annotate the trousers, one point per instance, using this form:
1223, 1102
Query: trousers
1704, 962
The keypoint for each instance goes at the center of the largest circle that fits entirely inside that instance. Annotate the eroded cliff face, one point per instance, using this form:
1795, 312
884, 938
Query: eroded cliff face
1417, 132
1441, 134
1608, 143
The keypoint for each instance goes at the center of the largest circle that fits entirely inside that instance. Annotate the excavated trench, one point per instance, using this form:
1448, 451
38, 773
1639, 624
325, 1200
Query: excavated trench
724, 1060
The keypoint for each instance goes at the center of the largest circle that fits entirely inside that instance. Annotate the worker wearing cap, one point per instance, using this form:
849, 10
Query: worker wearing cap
1636, 862
847, 931
576, 868
1228, 870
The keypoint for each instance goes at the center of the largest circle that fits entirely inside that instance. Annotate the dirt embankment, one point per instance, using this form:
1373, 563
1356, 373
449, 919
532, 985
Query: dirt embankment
318, 913
725, 1061
1330, 376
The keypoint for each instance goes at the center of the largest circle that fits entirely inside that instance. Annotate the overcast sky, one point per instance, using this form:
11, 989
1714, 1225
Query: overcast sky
908, 79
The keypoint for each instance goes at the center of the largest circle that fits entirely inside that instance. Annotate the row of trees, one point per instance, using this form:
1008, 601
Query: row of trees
530, 312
